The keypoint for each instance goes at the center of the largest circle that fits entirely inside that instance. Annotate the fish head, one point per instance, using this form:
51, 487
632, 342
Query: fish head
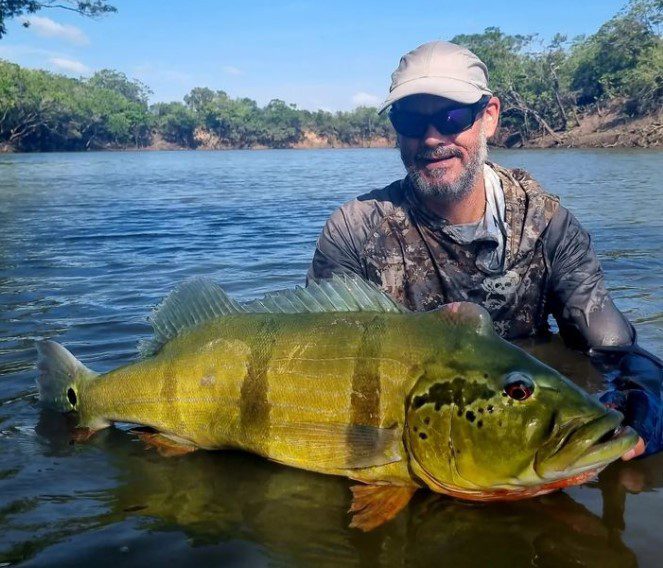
488, 421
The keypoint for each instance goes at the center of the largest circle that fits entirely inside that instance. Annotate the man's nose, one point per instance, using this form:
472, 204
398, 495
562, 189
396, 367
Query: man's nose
433, 137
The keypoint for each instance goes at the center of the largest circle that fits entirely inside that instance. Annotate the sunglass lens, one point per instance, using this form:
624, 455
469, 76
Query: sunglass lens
454, 120
410, 124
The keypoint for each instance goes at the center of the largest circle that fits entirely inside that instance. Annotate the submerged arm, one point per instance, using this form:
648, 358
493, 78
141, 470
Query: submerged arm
589, 320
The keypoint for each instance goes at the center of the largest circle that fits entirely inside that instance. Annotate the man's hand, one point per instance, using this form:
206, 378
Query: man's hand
635, 391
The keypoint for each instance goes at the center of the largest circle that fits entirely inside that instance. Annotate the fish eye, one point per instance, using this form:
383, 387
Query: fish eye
518, 386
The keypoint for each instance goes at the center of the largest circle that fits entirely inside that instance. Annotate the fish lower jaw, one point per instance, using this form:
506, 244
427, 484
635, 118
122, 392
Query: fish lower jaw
596, 457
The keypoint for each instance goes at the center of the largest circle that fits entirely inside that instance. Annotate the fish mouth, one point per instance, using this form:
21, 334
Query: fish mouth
590, 446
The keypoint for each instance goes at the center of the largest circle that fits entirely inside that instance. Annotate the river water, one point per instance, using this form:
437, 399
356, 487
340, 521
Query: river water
89, 243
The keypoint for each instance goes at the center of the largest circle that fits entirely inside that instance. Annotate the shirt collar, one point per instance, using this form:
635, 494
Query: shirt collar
490, 228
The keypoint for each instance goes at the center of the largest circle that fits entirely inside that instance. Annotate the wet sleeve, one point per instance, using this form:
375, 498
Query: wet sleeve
586, 315
339, 246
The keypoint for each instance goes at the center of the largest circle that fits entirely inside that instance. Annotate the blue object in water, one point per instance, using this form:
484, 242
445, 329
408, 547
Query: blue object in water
636, 392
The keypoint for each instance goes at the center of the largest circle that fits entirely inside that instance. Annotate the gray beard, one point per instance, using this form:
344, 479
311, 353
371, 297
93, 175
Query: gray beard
457, 190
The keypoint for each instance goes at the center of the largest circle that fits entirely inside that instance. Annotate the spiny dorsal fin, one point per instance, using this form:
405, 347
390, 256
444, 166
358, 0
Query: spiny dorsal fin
190, 304
342, 293
199, 300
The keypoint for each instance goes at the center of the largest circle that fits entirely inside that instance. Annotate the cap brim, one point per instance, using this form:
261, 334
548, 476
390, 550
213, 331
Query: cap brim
446, 87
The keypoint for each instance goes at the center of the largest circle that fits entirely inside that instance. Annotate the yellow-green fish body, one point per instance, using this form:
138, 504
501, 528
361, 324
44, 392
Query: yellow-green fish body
341, 380
263, 382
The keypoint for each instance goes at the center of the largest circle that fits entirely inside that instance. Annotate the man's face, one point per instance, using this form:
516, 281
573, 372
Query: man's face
445, 166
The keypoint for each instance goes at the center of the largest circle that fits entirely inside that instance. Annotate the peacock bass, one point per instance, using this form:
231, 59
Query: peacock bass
337, 378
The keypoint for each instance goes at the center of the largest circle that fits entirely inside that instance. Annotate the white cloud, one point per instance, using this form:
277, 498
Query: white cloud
45, 27
365, 99
12, 52
69, 65
231, 70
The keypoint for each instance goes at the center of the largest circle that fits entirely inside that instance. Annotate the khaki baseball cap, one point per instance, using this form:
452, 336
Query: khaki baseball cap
439, 68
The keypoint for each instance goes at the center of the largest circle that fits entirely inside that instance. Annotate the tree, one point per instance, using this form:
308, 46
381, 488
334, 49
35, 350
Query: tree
513, 76
116, 81
13, 8
605, 63
175, 122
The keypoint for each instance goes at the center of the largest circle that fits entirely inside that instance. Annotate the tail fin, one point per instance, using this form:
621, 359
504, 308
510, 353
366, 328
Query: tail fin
60, 376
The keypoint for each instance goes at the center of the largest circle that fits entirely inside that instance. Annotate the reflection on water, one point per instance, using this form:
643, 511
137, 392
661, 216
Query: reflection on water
90, 242
300, 518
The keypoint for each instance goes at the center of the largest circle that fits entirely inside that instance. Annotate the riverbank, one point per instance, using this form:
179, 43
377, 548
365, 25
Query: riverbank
603, 128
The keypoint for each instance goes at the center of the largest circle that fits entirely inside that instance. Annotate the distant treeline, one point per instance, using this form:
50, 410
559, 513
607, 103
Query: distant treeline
544, 89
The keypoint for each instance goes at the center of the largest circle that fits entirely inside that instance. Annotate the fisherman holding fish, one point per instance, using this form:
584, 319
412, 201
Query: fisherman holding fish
460, 228
409, 386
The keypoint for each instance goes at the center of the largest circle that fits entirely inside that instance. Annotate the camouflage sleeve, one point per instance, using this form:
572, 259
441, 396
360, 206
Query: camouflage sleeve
586, 315
340, 244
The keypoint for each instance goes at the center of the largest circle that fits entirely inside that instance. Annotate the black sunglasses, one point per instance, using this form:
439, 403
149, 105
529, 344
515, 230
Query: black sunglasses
447, 121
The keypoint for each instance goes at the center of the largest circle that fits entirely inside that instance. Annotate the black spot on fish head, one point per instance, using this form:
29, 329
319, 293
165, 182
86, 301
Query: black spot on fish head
470, 415
459, 392
423, 435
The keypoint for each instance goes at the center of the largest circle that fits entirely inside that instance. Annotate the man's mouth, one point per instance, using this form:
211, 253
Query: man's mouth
437, 158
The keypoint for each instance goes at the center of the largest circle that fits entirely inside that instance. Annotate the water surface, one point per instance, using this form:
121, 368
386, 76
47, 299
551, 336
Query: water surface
89, 243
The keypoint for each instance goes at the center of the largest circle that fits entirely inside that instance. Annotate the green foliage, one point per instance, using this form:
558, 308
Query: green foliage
280, 124
13, 8
542, 89
175, 122
117, 82
44, 111
616, 61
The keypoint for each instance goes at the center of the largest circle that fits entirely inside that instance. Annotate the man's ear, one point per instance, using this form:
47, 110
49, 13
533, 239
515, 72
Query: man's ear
491, 115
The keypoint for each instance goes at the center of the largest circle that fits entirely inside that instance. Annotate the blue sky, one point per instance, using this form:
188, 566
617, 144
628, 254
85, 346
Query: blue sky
329, 55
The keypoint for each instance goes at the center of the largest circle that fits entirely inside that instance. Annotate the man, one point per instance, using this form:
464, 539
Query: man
459, 228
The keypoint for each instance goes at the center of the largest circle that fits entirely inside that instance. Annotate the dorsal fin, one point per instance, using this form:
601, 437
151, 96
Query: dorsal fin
190, 304
341, 293
199, 300
466, 314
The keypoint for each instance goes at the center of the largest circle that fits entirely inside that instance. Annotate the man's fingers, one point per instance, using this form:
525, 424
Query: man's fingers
635, 452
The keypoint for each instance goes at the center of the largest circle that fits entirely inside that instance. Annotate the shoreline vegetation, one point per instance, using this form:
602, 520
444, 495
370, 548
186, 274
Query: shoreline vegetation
603, 90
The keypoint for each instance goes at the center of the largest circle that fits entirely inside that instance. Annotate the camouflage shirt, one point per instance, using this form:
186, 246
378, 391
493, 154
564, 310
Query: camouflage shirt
547, 263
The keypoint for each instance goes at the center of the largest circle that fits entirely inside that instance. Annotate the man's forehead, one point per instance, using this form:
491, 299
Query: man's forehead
426, 104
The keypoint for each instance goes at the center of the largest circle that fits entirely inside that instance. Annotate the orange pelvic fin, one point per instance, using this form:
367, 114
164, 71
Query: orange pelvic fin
374, 505
167, 446
80, 435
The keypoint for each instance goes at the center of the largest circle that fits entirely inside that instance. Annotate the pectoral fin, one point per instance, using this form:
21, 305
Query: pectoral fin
374, 505
167, 446
334, 446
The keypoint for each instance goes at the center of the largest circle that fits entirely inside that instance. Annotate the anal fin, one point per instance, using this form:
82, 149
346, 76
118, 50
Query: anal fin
167, 446
374, 505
